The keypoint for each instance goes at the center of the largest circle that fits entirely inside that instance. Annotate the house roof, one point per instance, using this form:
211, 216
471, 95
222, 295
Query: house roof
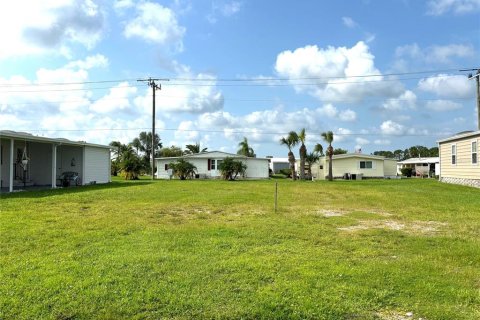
420, 160
209, 155
358, 155
460, 136
30, 137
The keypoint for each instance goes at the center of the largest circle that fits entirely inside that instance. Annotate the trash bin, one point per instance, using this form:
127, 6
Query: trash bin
353, 176
359, 176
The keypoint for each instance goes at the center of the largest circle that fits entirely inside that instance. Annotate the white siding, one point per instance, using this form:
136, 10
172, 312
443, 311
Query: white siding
97, 164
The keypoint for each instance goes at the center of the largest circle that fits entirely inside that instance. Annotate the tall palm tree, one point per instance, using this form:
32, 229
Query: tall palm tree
119, 148
291, 141
245, 149
328, 137
303, 152
194, 148
146, 142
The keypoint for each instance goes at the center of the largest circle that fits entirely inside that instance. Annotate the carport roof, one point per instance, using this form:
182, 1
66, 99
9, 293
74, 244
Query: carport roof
59, 141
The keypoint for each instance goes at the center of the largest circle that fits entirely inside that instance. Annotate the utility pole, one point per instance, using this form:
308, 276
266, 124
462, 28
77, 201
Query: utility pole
476, 76
151, 82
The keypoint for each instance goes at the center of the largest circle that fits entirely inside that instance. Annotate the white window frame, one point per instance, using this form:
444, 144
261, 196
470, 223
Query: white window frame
453, 153
360, 164
474, 151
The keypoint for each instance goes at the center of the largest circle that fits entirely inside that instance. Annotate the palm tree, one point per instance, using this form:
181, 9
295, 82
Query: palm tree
291, 141
119, 148
137, 144
146, 143
318, 149
303, 152
311, 158
245, 149
193, 148
328, 137
183, 169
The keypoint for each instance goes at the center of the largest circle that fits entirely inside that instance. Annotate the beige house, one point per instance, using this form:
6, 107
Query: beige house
459, 159
356, 166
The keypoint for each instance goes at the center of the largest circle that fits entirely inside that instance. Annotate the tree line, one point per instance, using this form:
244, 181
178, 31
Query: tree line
412, 152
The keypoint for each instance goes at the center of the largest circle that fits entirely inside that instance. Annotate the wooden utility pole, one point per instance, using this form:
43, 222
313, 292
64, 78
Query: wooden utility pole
476, 76
151, 83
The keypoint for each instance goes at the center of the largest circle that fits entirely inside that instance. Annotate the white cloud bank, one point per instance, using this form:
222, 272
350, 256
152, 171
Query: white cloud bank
39, 27
155, 23
439, 7
336, 73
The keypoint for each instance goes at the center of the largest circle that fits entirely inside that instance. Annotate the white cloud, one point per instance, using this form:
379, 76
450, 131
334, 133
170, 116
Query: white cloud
349, 22
344, 64
186, 132
39, 27
225, 10
442, 105
156, 23
406, 100
116, 100
362, 141
439, 7
432, 54
382, 142
392, 128
443, 85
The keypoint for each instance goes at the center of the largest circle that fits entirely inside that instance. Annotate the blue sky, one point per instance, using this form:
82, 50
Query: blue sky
382, 75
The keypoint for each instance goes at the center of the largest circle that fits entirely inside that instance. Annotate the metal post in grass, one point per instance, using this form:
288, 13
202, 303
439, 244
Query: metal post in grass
276, 192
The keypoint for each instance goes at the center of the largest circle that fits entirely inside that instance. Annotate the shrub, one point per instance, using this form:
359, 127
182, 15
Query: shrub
407, 172
231, 168
183, 169
286, 172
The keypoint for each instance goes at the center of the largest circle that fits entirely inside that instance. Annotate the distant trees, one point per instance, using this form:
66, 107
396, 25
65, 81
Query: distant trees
194, 148
170, 152
245, 149
231, 168
291, 141
339, 151
412, 152
183, 169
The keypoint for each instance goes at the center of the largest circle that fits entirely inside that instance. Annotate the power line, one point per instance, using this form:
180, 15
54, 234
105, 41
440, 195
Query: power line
189, 84
236, 79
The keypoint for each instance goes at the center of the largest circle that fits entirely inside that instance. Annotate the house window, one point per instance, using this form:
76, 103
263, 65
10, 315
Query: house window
454, 154
321, 167
474, 152
166, 166
366, 164
212, 164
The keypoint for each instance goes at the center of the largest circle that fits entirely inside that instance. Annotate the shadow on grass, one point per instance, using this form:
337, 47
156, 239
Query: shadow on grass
48, 192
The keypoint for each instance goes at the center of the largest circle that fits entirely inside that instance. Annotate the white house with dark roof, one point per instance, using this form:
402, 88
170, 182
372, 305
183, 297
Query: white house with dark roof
207, 165
29, 160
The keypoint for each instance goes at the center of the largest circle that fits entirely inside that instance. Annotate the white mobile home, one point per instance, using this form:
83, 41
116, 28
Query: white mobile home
459, 159
355, 165
28, 160
207, 165
421, 166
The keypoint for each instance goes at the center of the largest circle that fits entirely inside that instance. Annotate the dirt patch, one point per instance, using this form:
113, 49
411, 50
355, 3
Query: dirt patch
332, 213
413, 227
395, 315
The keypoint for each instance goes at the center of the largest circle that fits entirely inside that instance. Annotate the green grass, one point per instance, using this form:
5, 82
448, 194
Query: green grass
215, 249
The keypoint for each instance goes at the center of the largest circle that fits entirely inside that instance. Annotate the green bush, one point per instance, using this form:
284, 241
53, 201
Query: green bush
406, 172
286, 172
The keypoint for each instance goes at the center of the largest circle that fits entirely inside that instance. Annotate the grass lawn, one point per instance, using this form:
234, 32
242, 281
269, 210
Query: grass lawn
373, 249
